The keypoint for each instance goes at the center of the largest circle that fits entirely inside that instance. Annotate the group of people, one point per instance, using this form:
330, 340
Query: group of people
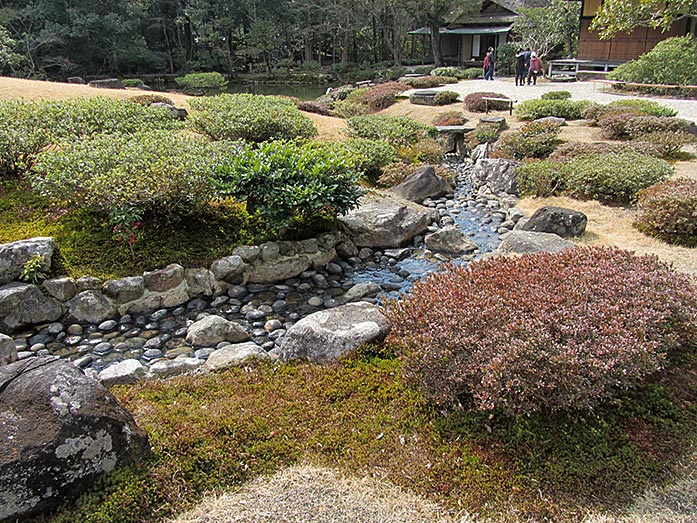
528, 66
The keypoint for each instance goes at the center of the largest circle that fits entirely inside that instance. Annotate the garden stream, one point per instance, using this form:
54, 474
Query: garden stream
268, 310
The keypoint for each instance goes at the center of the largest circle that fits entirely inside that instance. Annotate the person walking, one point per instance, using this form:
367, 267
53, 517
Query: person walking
536, 68
520, 67
489, 73
526, 54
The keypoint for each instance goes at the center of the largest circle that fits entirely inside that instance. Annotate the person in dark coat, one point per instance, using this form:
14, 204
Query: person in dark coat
520, 67
489, 74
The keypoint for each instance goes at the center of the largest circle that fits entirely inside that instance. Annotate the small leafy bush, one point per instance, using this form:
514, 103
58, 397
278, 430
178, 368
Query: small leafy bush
446, 71
426, 150
426, 82
568, 109
475, 103
642, 125
395, 173
533, 140
445, 98
382, 96
395, 130
367, 156
556, 95
672, 61
668, 211
353, 105
156, 171
472, 73
614, 123
542, 332
250, 117
283, 182
572, 149
540, 179
614, 178
132, 82
336, 94
449, 118
668, 143
647, 107
149, 99
201, 83
484, 133
33, 270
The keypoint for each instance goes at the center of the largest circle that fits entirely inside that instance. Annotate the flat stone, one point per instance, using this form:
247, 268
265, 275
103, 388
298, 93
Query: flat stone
232, 355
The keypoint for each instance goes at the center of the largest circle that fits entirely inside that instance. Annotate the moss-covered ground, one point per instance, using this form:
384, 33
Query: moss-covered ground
216, 431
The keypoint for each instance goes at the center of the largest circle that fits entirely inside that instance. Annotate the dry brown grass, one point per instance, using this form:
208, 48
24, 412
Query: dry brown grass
306, 494
613, 226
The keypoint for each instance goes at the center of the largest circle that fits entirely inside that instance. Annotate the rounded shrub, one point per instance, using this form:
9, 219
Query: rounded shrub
542, 332
395, 130
354, 104
426, 82
449, 118
533, 140
539, 179
367, 156
283, 182
613, 178
382, 95
668, 211
157, 171
556, 95
201, 83
484, 133
572, 149
446, 71
672, 61
475, 103
426, 150
472, 73
149, 99
669, 143
647, 107
445, 98
249, 117
567, 109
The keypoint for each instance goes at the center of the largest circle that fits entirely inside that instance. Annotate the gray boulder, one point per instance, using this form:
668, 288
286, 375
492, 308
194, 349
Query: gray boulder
108, 83
165, 368
60, 431
386, 220
327, 335
199, 282
450, 240
165, 279
63, 289
483, 150
91, 307
124, 290
24, 304
232, 355
554, 120
556, 220
360, 291
521, 242
229, 269
423, 183
8, 351
211, 330
122, 373
14, 255
496, 174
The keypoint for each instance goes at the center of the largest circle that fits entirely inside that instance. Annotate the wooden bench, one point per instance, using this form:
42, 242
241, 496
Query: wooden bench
506, 100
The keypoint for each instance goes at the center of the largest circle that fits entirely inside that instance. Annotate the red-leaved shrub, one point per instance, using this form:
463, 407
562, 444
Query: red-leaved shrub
383, 95
668, 211
543, 332
475, 103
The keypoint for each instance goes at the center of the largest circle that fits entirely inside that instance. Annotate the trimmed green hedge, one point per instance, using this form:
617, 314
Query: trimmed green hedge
395, 130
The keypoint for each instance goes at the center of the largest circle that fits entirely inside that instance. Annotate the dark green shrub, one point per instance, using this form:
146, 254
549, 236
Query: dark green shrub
668, 211
472, 73
132, 82
426, 82
201, 83
672, 61
395, 130
568, 109
540, 179
156, 171
452, 72
448, 118
669, 143
367, 156
283, 182
445, 98
149, 99
556, 95
31, 126
353, 105
486, 133
249, 117
613, 178
572, 149
475, 103
542, 332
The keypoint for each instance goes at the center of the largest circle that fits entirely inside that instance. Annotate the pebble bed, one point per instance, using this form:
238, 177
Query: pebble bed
267, 311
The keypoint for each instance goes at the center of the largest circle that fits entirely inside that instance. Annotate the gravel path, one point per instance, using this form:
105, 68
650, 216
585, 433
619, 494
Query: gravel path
580, 91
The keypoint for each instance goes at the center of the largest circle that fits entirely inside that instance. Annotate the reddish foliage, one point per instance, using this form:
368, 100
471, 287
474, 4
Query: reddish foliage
382, 96
667, 211
543, 332
474, 102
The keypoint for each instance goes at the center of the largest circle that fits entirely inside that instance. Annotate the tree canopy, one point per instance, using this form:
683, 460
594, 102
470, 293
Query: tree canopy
615, 16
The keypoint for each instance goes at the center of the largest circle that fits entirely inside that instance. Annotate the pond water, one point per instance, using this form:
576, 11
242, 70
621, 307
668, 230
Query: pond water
300, 91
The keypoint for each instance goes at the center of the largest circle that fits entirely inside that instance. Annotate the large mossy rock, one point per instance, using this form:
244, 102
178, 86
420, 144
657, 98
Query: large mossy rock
421, 184
13, 256
59, 431
556, 220
23, 304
